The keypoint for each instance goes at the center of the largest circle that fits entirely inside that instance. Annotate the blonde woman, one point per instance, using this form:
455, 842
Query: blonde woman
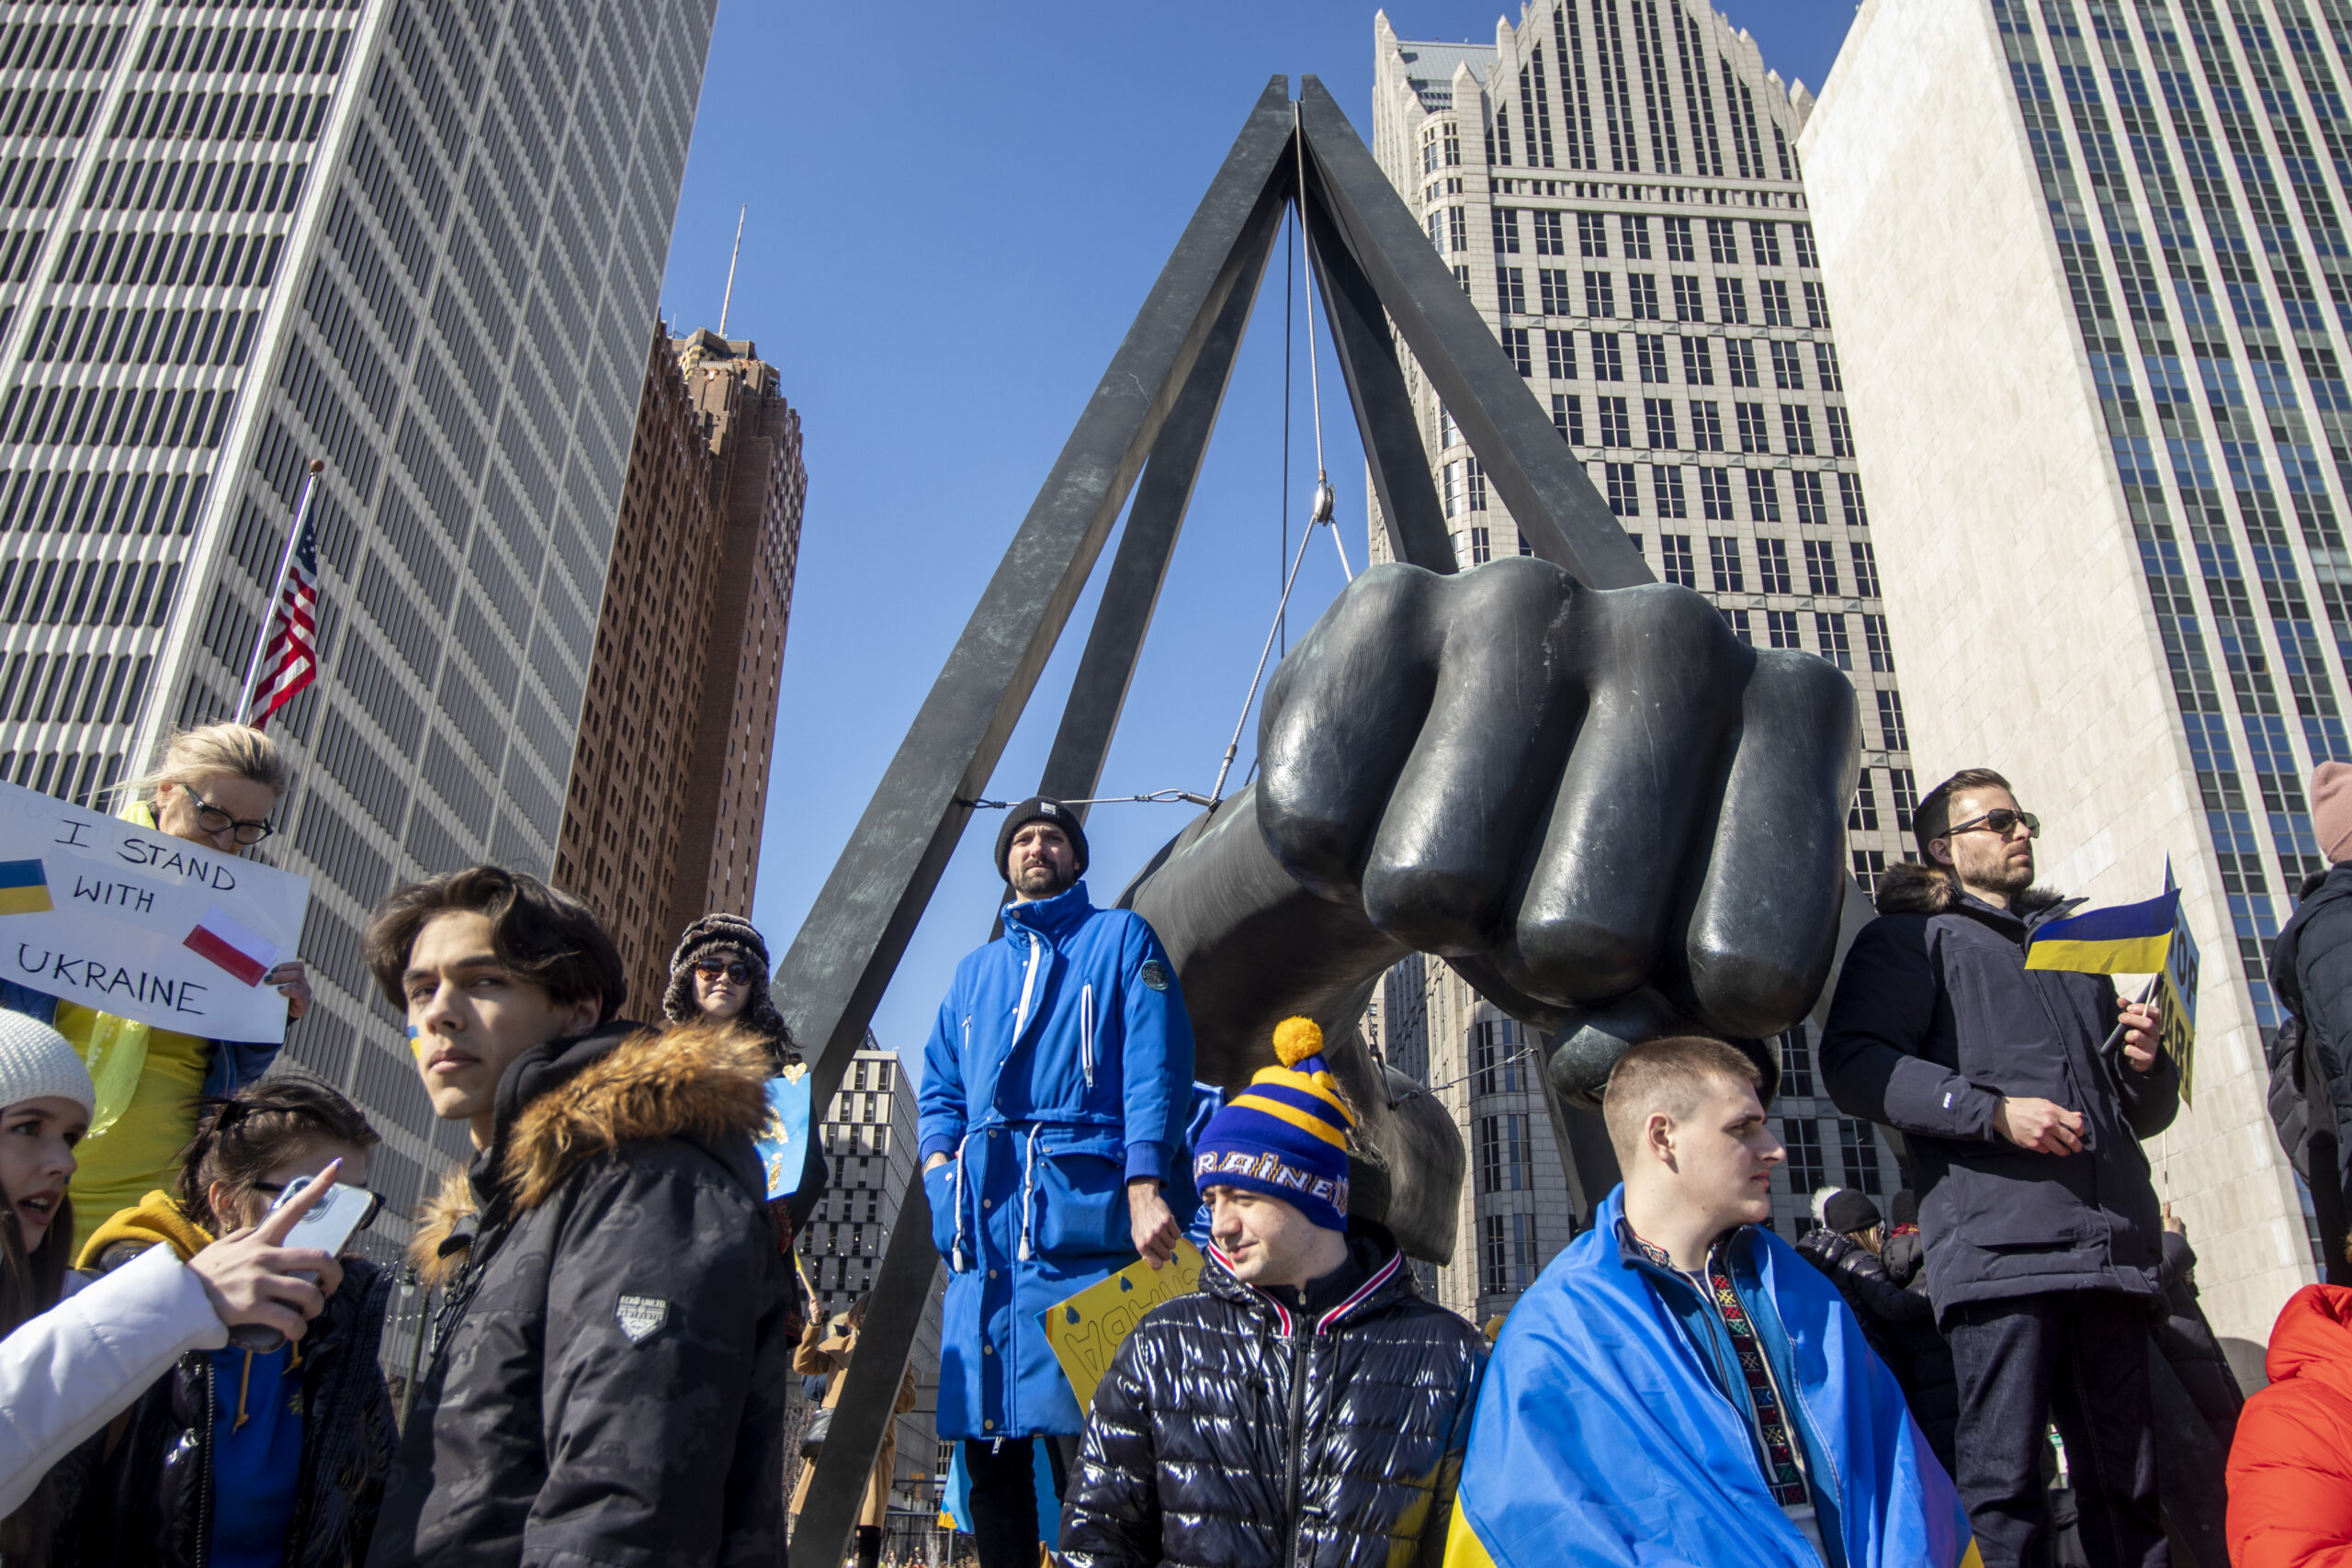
218, 786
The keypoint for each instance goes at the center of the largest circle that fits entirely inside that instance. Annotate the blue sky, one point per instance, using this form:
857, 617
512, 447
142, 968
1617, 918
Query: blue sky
953, 218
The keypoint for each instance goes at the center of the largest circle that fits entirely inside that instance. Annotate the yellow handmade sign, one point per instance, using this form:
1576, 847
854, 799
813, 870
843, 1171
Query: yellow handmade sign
1087, 1329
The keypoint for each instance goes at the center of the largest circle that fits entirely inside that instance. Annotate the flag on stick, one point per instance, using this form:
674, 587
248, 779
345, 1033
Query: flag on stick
231, 946
285, 654
2131, 939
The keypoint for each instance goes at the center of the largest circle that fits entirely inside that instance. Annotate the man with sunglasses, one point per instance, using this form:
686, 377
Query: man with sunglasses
2024, 1095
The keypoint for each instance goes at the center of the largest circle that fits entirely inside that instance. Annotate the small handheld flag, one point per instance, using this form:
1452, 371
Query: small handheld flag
2131, 939
231, 946
24, 888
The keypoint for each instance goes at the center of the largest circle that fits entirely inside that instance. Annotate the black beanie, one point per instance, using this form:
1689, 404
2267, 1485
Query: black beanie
1846, 1210
1038, 808
1906, 1207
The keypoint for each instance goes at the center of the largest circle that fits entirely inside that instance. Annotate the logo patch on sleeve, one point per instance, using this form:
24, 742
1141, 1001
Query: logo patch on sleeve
642, 1317
1154, 973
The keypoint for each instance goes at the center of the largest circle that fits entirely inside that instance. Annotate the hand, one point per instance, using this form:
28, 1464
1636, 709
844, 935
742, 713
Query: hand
249, 1275
2141, 1034
2039, 1126
293, 982
1152, 1222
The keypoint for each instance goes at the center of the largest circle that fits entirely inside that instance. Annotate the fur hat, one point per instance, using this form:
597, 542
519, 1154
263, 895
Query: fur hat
1038, 808
758, 1014
1287, 1134
36, 1063
2332, 809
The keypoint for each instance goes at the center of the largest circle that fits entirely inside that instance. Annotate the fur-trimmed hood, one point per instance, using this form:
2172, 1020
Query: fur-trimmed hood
1909, 888
570, 1102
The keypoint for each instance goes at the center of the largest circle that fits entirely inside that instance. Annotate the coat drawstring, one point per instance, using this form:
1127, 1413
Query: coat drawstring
1086, 1031
1028, 1188
958, 1259
244, 1381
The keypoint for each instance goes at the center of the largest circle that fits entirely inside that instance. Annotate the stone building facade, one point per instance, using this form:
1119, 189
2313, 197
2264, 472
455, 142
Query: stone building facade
669, 771
2090, 261
1614, 184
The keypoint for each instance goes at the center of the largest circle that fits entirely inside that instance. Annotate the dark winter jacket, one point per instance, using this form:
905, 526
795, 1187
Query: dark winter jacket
151, 1500
609, 1362
1935, 1020
2310, 968
1237, 1430
2188, 1343
1900, 1324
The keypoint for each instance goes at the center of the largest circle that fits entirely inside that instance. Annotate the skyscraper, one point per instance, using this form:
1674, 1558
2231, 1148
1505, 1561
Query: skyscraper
2091, 260
1615, 185
419, 239
668, 774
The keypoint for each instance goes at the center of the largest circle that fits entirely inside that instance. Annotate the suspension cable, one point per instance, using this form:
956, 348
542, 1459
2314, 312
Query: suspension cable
1326, 498
1217, 791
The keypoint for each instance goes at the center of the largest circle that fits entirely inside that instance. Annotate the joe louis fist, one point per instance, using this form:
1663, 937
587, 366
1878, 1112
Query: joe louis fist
1602, 808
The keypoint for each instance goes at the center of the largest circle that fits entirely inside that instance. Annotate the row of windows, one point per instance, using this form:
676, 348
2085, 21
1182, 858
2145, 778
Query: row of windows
104, 336
365, 263
135, 185
1901, 791
1550, 237
112, 256
68, 775
34, 182
45, 111
80, 688
361, 671
286, 52
229, 116
337, 848
1832, 640
459, 782
88, 593
362, 770
1653, 355
114, 416
1661, 432
1619, 483
30, 46
307, 387
43, 501
1643, 303
1677, 562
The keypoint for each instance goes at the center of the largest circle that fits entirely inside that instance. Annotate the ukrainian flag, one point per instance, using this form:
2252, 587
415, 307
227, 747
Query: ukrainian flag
24, 888
2131, 939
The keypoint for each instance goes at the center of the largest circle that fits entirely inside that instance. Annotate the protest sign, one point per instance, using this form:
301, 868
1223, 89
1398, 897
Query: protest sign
783, 1144
2177, 992
131, 922
1087, 1329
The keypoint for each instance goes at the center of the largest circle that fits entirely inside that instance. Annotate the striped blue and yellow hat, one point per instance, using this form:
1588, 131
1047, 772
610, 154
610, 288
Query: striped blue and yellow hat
1287, 1134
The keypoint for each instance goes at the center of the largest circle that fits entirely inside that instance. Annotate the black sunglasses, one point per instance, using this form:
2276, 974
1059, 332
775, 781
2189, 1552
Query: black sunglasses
2002, 821
735, 969
213, 820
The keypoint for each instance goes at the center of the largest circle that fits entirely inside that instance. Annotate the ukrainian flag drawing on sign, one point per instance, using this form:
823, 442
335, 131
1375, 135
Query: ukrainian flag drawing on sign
24, 888
2131, 939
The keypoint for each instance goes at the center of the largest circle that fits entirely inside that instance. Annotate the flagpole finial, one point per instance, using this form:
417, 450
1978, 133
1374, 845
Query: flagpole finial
318, 466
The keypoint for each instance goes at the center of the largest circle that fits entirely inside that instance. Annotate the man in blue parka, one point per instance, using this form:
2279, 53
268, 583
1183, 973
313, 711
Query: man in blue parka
1056, 1087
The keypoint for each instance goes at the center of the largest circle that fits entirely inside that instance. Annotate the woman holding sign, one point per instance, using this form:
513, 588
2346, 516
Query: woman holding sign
217, 786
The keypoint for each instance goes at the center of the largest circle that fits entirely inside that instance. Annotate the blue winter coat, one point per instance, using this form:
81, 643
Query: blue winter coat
1060, 1067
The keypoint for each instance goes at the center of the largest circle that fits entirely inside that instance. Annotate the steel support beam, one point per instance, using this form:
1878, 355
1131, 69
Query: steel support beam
1562, 517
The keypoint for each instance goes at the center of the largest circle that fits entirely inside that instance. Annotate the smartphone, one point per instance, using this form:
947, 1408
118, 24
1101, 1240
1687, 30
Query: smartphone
329, 1226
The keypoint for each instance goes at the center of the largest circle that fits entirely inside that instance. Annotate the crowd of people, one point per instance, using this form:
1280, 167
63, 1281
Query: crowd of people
620, 1319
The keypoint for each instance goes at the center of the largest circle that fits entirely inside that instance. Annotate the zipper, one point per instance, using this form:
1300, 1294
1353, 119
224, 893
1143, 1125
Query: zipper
1028, 987
1295, 1461
204, 1469
1086, 1031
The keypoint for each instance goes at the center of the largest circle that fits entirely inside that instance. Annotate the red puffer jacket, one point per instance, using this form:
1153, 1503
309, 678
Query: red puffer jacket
2291, 1468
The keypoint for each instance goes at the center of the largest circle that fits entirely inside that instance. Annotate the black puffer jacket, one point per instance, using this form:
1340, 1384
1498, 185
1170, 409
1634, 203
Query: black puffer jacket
2187, 1342
2310, 968
151, 1500
1900, 1324
609, 1366
1234, 1430
1935, 1018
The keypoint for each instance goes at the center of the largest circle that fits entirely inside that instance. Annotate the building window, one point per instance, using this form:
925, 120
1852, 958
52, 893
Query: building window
1737, 621
1863, 817
1495, 1262
1723, 558
1699, 361
1841, 432
1549, 242
1899, 784
1830, 631
1722, 244
1807, 1172
1453, 488
1764, 500
1850, 500
1461, 276
1780, 628
1753, 434
1649, 352
1875, 639
1889, 723
1807, 256
1482, 546
1869, 866
1510, 290
1773, 296
1437, 231
1607, 361
1640, 292
1457, 229
1687, 303
1599, 294
1505, 1164
1788, 370
1616, 426
1707, 427
1816, 306
1772, 564
1634, 230
1475, 478
1824, 366
1675, 561
1619, 488
1742, 356
1504, 222
1657, 414
1496, 1057
1796, 1063
1765, 239
1554, 283
1515, 344
1678, 240
1731, 300
1592, 234
1860, 1148
1810, 505
1796, 428
1820, 567
1560, 354
1666, 488
1568, 417
1714, 497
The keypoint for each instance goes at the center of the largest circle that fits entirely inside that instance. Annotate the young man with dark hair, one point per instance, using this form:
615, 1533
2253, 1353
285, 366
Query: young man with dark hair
609, 1357
2023, 1094
1055, 1088
1305, 1405
1679, 1385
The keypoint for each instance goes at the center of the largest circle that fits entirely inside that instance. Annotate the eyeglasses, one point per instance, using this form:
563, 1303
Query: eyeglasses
736, 970
213, 820
2002, 821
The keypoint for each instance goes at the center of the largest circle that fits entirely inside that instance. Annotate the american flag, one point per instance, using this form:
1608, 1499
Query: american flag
291, 661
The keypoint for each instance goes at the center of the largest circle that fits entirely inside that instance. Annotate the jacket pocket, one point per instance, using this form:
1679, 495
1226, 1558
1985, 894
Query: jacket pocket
939, 1187
1081, 1193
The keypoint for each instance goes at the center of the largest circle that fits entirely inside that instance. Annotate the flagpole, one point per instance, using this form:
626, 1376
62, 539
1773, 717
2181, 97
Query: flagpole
277, 587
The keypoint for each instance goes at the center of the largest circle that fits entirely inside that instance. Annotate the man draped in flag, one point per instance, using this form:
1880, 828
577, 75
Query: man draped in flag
289, 660
1681, 1387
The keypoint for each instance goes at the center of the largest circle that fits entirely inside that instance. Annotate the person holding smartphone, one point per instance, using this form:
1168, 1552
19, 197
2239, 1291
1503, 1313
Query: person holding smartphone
253, 1454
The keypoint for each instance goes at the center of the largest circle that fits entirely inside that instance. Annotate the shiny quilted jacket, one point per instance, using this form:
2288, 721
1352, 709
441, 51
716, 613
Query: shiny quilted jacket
1238, 1430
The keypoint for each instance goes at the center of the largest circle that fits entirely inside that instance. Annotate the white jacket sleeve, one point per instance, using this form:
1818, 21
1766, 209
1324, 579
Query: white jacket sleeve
77, 1366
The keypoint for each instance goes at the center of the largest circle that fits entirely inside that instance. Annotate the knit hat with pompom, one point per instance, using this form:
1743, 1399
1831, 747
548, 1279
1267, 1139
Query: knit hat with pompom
1287, 1134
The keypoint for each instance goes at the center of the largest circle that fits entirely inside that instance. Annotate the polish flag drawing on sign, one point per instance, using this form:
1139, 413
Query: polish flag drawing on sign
231, 946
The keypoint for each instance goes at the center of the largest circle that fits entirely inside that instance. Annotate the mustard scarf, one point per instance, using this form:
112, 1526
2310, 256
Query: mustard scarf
116, 1050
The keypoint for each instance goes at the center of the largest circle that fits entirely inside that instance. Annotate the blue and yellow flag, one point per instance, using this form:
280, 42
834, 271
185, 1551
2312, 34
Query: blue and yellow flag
2131, 939
24, 888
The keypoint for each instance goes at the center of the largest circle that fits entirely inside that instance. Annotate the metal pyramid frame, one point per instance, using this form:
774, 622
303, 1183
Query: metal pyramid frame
1144, 430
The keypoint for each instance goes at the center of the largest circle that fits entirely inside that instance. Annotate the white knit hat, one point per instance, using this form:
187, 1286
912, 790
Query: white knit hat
35, 1062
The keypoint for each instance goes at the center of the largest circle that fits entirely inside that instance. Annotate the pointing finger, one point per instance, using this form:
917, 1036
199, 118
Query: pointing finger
274, 1228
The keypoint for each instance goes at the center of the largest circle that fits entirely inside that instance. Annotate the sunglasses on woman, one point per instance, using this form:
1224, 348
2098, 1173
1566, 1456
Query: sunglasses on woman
736, 970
